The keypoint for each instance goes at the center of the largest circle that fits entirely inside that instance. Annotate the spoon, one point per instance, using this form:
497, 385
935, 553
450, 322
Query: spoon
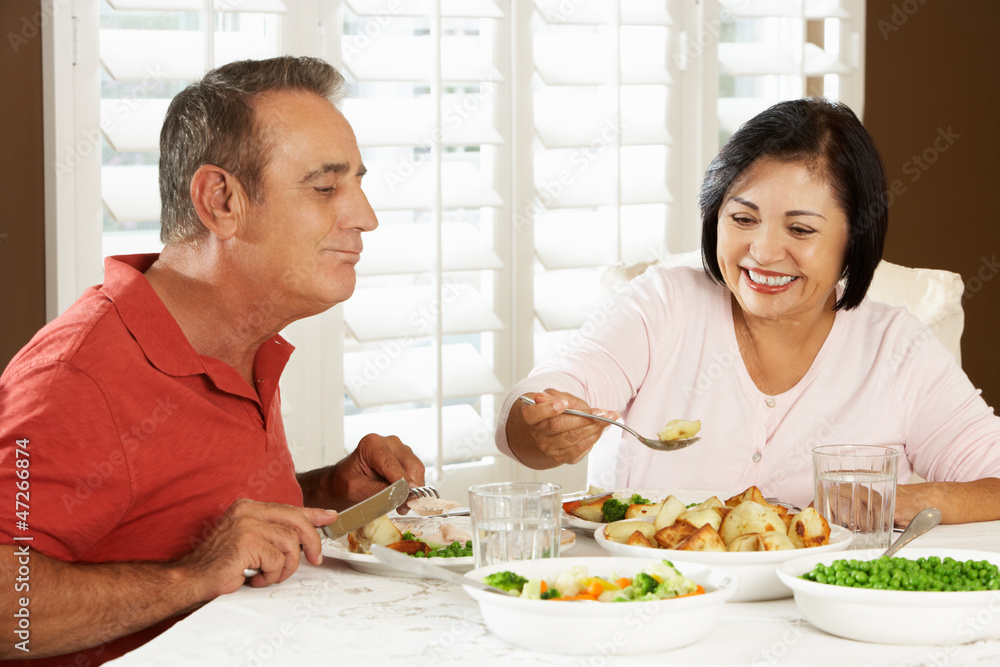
924, 521
652, 443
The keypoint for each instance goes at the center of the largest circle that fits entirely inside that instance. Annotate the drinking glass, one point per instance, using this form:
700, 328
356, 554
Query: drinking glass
515, 521
856, 489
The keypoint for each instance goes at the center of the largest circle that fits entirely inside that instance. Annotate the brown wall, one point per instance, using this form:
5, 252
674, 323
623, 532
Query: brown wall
22, 223
931, 102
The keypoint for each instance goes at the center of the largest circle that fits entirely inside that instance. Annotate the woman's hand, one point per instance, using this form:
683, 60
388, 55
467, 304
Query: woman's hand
543, 436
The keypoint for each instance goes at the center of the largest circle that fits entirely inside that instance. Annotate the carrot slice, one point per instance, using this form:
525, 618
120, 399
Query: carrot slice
544, 587
623, 582
698, 591
595, 589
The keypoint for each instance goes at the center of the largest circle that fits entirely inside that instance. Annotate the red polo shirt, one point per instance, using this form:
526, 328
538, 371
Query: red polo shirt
135, 444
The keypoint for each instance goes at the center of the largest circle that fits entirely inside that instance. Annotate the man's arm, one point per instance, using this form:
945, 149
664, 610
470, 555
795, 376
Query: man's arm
74, 606
959, 502
377, 462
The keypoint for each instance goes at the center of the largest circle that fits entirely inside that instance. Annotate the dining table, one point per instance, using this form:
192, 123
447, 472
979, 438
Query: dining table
333, 614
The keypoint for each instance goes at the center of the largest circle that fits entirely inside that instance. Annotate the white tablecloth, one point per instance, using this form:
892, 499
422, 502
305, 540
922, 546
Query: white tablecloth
332, 614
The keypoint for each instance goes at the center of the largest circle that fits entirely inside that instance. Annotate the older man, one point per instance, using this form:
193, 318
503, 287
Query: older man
141, 430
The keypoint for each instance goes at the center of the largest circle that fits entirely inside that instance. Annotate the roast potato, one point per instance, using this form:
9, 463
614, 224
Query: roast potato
637, 511
589, 513
700, 517
380, 531
809, 529
670, 510
705, 538
749, 517
638, 539
620, 531
774, 540
679, 429
670, 536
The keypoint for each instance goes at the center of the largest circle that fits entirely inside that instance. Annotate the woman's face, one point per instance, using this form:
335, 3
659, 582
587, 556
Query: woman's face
782, 241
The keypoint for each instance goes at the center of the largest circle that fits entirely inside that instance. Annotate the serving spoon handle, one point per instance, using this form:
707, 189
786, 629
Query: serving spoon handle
921, 523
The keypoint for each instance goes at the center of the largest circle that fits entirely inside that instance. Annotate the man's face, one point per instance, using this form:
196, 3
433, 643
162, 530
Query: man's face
302, 241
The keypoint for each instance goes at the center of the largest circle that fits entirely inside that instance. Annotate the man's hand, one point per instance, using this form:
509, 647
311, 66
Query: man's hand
377, 462
251, 534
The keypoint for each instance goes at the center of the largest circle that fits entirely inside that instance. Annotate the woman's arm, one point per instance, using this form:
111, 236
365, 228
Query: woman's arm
959, 502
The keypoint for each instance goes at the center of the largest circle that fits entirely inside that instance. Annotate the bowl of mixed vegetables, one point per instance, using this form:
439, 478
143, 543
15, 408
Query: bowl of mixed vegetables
627, 605
921, 596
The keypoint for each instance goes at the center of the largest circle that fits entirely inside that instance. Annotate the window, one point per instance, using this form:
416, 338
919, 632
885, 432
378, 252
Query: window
515, 149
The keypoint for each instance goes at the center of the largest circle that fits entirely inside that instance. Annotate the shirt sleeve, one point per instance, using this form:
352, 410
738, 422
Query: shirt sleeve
607, 359
62, 463
951, 434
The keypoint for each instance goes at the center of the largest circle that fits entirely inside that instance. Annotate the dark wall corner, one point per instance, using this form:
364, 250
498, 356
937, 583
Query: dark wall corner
22, 178
932, 104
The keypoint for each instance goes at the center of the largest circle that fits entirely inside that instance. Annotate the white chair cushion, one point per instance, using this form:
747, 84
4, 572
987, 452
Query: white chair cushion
934, 296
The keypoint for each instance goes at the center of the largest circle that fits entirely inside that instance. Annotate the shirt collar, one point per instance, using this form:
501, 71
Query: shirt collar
161, 339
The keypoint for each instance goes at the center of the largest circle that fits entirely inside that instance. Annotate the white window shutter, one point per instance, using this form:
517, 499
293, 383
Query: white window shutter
149, 51
420, 352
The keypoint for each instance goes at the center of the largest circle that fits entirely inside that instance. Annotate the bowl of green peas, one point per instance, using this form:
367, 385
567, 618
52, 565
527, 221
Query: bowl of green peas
930, 596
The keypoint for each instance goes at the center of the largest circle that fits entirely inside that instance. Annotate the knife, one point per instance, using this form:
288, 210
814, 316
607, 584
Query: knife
364, 512
425, 568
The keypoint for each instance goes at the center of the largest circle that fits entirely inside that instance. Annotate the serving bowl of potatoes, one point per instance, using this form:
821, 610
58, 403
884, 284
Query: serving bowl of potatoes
746, 534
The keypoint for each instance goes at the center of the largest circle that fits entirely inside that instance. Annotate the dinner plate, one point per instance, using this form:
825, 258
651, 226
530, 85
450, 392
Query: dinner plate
686, 496
367, 563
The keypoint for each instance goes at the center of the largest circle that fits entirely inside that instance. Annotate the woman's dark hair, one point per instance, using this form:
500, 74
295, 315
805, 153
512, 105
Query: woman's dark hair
812, 131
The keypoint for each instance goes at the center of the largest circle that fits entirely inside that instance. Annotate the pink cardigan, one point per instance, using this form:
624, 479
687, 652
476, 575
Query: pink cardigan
665, 348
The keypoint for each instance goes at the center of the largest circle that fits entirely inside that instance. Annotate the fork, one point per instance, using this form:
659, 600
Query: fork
424, 492
652, 443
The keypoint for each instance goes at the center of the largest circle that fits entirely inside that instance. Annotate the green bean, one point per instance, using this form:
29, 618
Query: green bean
903, 574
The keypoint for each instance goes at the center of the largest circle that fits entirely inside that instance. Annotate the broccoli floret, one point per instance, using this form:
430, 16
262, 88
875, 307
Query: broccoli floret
551, 593
642, 583
505, 581
409, 537
614, 510
639, 500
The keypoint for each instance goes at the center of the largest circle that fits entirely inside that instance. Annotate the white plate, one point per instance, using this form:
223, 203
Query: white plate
603, 628
757, 570
686, 496
895, 617
367, 563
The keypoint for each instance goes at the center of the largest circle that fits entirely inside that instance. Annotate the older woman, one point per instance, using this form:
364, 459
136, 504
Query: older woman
773, 346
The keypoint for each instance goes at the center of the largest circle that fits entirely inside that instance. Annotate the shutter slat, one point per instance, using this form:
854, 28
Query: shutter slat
642, 62
585, 178
389, 312
132, 125
602, 12
172, 55
408, 58
267, 6
131, 193
397, 249
565, 299
406, 375
423, 8
466, 121
814, 9
462, 431
396, 186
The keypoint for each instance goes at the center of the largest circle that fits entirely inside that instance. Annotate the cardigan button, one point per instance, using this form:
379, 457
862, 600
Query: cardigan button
770, 402
756, 457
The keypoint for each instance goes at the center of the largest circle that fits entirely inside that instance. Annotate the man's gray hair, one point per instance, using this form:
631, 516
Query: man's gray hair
212, 122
